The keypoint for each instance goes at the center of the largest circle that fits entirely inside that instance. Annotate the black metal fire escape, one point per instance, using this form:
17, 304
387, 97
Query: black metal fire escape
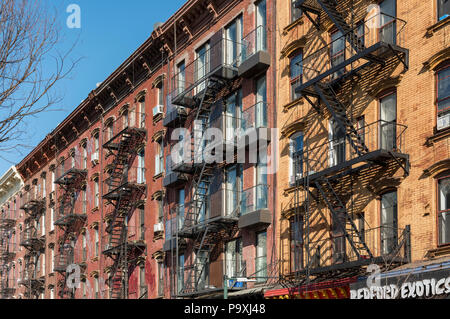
70, 218
125, 195
204, 232
7, 253
323, 89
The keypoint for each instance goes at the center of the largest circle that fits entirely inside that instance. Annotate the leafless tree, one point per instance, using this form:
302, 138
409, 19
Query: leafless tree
30, 65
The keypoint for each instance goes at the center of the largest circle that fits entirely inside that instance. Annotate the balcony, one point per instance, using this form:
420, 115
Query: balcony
68, 257
126, 130
220, 61
67, 213
113, 243
124, 183
221, 208
255, 57
172, 178
33, 203
32, 239
71, 170
7, 219
254, 207
6, 291
255, 125
7, 251
379, 39
385, 145
29, 280
175, 115
388, 245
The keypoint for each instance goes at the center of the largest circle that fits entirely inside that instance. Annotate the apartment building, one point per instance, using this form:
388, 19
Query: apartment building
364, 158
219, 215
11, 256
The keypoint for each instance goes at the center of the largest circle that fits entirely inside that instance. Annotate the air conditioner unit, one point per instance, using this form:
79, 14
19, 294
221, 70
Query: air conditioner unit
443, 121
157, 228
159, 109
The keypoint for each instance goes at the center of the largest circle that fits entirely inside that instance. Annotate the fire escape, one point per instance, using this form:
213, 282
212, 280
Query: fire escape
202, 221
33, 240
125, 189
7, 253
325, 172
70, 216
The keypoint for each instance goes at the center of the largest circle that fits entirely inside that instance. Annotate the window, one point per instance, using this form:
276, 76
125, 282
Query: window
142, 282
96, 288
338, 235
443, 9
388, 27
160, 210
296, 157
142, 222
53, 181
159, 157
180, 277
261, 102
360, 32
96, 154
180, 200
110, 130
296, 13
361, 128
233, 259
233, 183
201, 66
160, 88
296, 74
296, 243
84, 156
261, 23
84, 246
97, 242
388, 119
443, 96
261, 194
141, 167
125, 119
444, 209
52, 218
160, 279
44, 186
96, 192
52, 259
233, 37
336, 138
84, 199
181, 77
389, 233
141, 114
337, 52
261, 256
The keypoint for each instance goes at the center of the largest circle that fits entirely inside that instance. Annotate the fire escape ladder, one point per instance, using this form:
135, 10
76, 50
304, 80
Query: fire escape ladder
337, 110
350, 230
119, 271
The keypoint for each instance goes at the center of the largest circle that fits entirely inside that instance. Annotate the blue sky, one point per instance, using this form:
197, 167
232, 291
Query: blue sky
110, 32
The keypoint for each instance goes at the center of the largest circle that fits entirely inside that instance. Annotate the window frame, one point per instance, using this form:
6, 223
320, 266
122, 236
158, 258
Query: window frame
293, 17
444, 66
298, 79
440, 17
443, 175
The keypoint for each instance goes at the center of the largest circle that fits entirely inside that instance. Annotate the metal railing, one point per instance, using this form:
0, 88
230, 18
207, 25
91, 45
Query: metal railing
380, 28
74, 207
256, 116
130, 119
132, 237
32, 198
130, 175
68, 257
380, 135
235, 268
191, 80
72, 164
383, 241
254, 198
30, 234
254, 41
7, 218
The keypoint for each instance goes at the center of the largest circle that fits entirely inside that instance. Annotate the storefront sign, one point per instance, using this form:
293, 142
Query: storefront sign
404, 286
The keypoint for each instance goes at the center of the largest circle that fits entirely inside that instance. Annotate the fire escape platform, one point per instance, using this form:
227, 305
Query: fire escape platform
7, 223
381, 50
175, 117
69, 219
110, 145
124, 190
131, 245
70, 176
216, 223
7, 256
33, 243
378, 157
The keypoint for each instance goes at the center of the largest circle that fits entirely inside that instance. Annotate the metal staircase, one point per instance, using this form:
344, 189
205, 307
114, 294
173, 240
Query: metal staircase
124, 194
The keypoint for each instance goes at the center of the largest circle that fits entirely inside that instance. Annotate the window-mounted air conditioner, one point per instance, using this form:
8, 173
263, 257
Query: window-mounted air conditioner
159, 109
157, 228
443, 121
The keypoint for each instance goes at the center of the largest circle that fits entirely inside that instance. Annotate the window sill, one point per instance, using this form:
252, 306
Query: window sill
442, 250
95, 209
438, 25
290, 105
438, 135
157, 118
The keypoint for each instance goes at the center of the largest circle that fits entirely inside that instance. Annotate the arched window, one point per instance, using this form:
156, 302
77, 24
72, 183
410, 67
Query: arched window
443, 207
443, 95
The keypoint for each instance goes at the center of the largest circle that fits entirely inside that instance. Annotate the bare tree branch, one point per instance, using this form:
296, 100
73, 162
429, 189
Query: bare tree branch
30, 66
